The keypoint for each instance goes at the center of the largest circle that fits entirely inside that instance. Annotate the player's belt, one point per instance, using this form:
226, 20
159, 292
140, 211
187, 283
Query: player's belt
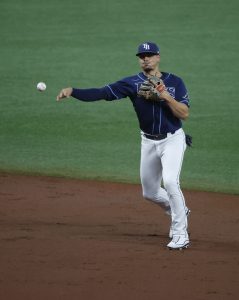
156, 137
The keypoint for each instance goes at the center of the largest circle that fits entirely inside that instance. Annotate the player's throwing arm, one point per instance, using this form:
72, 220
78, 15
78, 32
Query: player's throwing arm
64, 93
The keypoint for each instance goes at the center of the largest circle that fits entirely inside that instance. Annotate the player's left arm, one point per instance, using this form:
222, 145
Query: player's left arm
180, 110
179, 104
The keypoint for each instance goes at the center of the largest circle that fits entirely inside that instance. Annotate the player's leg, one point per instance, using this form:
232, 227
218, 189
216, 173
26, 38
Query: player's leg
172, 159
151, 175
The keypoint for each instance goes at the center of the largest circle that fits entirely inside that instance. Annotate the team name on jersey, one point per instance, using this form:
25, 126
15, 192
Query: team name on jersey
171, 91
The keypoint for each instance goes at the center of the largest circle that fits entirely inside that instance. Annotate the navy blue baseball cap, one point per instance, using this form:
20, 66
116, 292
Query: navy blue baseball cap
148, 47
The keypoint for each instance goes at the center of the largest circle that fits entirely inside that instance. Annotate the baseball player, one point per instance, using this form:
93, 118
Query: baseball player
160, 101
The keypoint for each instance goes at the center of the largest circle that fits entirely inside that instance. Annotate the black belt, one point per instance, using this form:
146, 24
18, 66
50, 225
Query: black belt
156, 137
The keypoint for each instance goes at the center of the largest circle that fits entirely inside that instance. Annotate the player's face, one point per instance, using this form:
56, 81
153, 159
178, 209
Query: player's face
148, 61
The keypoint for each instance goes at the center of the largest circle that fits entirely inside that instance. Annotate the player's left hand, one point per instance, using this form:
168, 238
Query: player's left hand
153, 89
64, 93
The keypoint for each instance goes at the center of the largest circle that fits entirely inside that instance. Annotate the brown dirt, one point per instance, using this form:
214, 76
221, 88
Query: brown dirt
72, 239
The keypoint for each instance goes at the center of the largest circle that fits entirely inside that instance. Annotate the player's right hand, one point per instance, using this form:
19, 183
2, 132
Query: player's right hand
65, 93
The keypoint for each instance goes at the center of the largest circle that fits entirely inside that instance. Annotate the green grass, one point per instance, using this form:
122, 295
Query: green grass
90, 44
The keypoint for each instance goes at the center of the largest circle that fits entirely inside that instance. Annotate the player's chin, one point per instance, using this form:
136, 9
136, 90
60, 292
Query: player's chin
147, 68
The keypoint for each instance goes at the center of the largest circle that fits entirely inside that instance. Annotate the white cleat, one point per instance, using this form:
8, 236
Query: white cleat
171, 227
178, 242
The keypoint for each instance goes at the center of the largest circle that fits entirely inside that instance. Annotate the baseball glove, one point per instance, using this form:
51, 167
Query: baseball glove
152, 88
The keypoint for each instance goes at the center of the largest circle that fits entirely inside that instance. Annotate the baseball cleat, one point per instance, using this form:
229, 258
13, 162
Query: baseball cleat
171, 227
178, 242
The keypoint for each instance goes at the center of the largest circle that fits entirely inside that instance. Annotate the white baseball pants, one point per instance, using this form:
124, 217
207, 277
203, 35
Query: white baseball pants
162, 161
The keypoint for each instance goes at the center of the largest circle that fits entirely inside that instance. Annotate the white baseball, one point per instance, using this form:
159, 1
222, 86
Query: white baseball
41, 86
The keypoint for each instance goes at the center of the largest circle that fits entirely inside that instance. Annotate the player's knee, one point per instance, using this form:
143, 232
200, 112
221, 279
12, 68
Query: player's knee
153, 197
171, 185
148, 196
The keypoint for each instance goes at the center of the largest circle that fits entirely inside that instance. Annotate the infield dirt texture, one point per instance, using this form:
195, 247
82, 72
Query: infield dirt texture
71, 239
83, 237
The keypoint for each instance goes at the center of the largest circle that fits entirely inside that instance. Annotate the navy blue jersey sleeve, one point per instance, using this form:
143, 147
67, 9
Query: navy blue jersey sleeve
92, 94
181, 93
121, 89
118, 90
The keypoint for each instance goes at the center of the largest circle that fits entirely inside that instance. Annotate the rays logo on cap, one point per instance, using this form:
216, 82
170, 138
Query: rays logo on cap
147, 47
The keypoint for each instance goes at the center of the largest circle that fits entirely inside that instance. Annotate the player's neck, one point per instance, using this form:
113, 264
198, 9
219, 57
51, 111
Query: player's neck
153, 73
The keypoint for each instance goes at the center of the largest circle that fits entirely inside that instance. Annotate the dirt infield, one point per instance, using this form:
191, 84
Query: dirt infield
72, 239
